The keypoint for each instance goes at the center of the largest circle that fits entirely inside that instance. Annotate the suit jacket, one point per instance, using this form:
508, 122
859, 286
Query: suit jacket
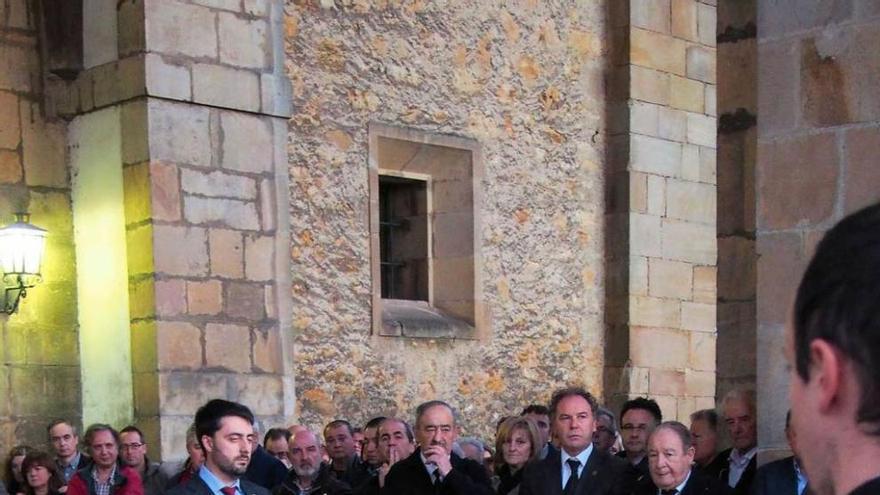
603, 475
409, 477
637, 474
265, 470
697, 484
197, 486
744, 486
776, 478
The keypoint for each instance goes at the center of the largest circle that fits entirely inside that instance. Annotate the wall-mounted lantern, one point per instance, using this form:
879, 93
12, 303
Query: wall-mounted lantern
21, 255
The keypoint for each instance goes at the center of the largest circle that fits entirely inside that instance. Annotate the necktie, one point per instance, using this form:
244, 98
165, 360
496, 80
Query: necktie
669, 492
571, 485
228, 490
436, 477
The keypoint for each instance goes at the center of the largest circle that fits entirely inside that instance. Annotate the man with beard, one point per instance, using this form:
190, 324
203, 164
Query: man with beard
308, 474
433, 468
226, 433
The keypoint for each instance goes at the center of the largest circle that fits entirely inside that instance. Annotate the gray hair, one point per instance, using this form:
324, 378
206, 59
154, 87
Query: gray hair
610, 415
679, 429
424, 406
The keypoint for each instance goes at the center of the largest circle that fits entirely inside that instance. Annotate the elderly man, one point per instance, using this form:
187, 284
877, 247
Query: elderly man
308, 474
738, 409
134, 455
433, 468
832, 349
670, 460
578, 463
64, 440
105, 475
606, 430
704, 432
226, 433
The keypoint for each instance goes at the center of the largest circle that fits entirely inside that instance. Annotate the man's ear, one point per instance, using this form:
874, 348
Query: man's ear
825, 369
207, 443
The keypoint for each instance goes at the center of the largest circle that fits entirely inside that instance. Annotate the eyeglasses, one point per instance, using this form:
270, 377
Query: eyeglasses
131, 446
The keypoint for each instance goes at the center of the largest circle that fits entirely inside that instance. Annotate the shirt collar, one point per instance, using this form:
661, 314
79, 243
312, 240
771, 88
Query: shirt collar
74, 461
583, 456
214, 483
680, 488
742, 460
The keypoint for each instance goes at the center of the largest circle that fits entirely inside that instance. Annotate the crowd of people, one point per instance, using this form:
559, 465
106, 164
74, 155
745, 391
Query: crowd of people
570, 446
389, 455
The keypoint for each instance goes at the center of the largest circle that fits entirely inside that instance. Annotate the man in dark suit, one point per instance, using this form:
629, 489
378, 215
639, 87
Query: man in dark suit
638, 418
783, 476
226, 432
578, 468
738, 408
433, 468
670, 463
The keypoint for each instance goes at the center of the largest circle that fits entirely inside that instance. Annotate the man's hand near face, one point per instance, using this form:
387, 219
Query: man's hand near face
437, 455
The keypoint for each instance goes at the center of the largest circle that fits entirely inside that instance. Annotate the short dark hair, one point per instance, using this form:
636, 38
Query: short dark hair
424, 406
208, 416
133, 429
406, 427
58, 421
535, 409
336, 423
276, 434
375, 422
838, 300
96, 428
681, 430
644, 403
563, 393
707, 415
40, 458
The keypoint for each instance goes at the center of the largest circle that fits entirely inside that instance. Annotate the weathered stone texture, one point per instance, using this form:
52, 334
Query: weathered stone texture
524, 81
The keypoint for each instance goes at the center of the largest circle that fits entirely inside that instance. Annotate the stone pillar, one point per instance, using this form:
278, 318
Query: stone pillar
737, 140
203, 106
662, 295
818, 143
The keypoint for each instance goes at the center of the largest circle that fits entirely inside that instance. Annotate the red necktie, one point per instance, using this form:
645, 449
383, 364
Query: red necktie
228, 490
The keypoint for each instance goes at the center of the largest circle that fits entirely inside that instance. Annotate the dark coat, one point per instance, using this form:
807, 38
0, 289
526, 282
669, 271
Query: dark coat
776, 478
872, 487
325, 480
409, 477
713, 469
265, 470
197, 486
697, 484
637, 474
744, 486
356, 473
603, 475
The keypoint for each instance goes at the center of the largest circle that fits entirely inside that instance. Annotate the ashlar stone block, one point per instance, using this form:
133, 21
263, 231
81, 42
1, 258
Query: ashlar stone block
649, 85
659, 348
218, 184
243, 42
179, 133
166, 79
259, 257
178, 28
672, 279
658, 51
656, 156
204, 298
702, 130
228, 346
652, 15
686, 94
684, 19
688, 241
692, 201
654, 312
10, 131
230, 213
698, 316
226, 87
227, 253
247, 142
180, 250
178, 345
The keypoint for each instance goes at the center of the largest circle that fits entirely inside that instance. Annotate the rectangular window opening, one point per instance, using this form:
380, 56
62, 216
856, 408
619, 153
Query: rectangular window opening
403, 238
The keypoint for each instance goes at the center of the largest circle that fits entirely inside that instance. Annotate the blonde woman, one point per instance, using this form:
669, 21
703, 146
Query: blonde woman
517, 442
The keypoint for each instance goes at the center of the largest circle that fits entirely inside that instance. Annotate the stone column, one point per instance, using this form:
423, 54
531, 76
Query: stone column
204, 104
818, 143
662, 269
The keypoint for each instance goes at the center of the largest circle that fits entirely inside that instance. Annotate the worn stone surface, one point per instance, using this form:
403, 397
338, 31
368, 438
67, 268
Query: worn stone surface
491, 71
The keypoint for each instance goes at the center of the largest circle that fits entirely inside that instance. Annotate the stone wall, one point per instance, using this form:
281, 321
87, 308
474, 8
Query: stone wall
818, 142
524, 79
39, 352
662, 206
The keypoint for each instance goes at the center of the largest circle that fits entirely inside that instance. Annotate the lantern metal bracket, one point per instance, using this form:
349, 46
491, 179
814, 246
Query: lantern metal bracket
14, 291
